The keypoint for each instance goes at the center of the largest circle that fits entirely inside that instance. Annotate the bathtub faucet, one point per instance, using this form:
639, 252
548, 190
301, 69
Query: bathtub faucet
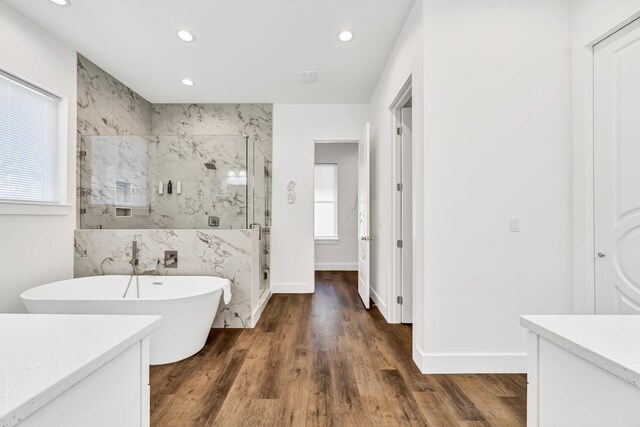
134, 265
134, 254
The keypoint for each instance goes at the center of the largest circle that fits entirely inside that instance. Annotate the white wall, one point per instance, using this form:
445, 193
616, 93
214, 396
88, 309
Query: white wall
35, 249
341, 254
404, 62
296, 127
497, 113
591, 21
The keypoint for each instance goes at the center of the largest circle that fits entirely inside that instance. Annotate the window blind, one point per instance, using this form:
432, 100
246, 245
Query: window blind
326, 201
29, 146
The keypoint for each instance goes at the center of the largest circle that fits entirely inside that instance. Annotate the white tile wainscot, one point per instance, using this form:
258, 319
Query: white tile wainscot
74, 370
583, 370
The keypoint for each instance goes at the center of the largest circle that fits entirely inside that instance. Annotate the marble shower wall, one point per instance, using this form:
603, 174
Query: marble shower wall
220, 192
222, 253
185, 135
252, 120
110, 163
106, 106
142, 162
123, 160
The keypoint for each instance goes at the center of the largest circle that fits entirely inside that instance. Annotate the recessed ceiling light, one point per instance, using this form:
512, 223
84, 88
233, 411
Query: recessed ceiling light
345, 36
61, 2
183, 35
187, 82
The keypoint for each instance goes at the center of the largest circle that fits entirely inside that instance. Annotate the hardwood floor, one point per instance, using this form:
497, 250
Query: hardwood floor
323, 360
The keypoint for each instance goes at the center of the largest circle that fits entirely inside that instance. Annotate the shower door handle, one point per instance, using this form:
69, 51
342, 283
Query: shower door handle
259, 229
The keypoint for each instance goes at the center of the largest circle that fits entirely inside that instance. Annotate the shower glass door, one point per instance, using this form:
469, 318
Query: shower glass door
124, 182
260, 206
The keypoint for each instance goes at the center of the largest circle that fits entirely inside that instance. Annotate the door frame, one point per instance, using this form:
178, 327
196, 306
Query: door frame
395, 113
584, 285
313, 186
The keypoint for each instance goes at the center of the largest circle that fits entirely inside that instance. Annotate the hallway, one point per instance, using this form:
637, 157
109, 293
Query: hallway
322, 359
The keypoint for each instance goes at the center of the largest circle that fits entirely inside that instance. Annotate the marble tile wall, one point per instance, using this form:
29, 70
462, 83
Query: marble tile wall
184, 132
108, 107
220, 192
143, 162
222, 253
254, 120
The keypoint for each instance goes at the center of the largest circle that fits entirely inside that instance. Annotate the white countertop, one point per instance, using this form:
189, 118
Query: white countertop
609, 342
43, 355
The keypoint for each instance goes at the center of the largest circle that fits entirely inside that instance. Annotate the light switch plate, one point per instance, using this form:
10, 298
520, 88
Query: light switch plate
514, 224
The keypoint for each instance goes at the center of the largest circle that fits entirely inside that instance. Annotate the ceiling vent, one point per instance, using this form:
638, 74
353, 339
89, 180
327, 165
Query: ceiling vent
308, 76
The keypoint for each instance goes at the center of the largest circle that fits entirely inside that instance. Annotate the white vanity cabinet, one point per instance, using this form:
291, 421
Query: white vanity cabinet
583, 371
65, 370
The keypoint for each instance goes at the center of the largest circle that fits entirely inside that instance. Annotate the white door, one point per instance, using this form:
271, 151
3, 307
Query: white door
617, 172
364, 241
406, 222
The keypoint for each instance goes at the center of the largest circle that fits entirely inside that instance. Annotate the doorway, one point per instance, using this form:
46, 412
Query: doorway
330, 219
402, 185
336, 205
616, 90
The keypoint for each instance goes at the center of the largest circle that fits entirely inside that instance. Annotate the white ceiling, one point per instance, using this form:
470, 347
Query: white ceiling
246, 50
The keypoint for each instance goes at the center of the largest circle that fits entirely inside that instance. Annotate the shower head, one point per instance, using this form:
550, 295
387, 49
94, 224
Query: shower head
211, 165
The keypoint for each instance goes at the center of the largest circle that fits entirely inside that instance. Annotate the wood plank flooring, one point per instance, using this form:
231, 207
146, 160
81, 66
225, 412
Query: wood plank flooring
323, 360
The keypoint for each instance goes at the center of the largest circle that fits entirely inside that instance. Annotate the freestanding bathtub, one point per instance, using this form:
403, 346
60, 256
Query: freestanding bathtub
187, 304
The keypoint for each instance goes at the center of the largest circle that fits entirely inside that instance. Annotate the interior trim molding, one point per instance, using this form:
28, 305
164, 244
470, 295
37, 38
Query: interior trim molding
470, 363
382, 306
345, 266
255, 316
292, 288
8, 208
582, 78
405, 93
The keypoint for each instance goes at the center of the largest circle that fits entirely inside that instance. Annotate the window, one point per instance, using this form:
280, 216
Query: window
326, 201
29, 143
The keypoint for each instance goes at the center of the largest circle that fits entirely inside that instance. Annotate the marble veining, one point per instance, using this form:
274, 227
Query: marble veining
106, 106
143, 162
220, 192
44, 355
222, 253
184, 134
254, 120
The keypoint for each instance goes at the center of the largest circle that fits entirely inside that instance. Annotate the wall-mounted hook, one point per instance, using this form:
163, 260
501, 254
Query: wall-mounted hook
291, 196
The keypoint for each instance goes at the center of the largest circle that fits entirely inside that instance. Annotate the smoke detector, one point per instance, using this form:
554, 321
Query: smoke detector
308, 76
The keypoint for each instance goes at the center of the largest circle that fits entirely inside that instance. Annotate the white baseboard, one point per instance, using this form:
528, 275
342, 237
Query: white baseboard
470, 363
344, 266
255, 316
292, 288
382, 306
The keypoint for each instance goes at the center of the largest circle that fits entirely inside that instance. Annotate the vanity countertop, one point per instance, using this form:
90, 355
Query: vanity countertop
609, 342
43, 355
